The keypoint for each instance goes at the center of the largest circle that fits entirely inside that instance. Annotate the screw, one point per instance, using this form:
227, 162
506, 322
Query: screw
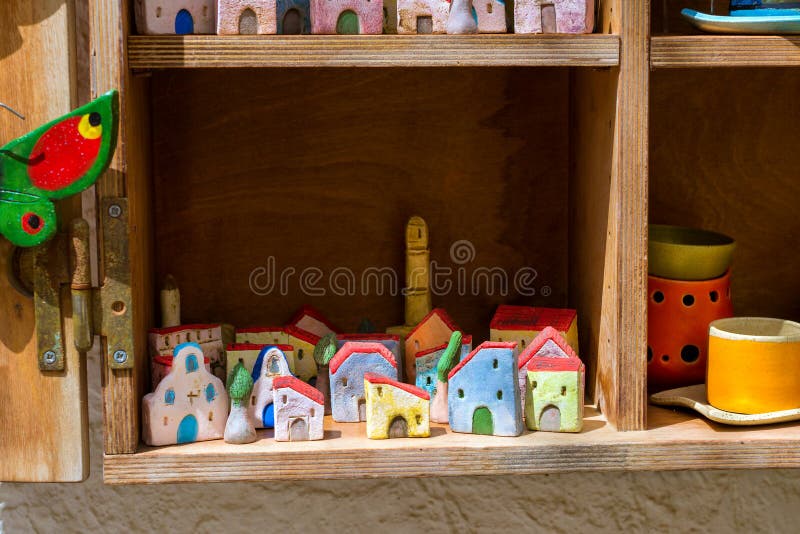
120, 356
115, 210
49, 357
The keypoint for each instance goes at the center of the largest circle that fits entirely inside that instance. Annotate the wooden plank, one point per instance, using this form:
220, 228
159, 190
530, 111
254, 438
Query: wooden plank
675, 441
307, 175
210, 51
737, 173
693, 51
43, 416
127, 176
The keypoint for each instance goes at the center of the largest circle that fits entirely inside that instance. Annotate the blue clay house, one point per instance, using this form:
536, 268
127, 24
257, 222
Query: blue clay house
347, 370
483, 395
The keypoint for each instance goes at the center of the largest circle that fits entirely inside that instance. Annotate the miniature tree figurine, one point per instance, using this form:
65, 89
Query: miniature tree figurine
239, 428
450, 358
324, 352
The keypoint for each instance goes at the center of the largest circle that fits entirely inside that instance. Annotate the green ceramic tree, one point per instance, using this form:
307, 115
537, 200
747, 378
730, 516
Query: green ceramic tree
240, 384
450, 358
324, 352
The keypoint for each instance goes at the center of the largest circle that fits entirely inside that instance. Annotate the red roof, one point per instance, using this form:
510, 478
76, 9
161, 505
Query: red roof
167, 360
543, 363
446, 319
529, 318
370, 336
303, 335
181, 328
466, 340
299, 386
425, 352
374, 378
351, 347
257, 346
485, 345
258, 329
314, 313
548, 334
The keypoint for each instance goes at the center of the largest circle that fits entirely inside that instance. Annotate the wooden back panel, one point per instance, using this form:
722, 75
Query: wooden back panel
725, 158
322, 168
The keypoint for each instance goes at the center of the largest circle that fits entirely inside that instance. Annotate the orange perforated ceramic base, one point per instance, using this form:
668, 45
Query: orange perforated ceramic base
679, 313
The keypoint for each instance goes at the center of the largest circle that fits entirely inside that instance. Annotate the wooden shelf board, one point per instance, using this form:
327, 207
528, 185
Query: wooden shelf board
676, 440
685, 51
211, 51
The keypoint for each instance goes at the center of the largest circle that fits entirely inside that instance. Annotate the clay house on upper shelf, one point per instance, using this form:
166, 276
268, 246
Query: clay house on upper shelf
483, 394
263, 335
490, 16
246, 17
271, 364
162, 343
548, 344
432, 331
422, 16
189, 404
395, 409
523, 323
164, 17
299, 410
312, 320
554, 16
347, 370
294, 17
346, 16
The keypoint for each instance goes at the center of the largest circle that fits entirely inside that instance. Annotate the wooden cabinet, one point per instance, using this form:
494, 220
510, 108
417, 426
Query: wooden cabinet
314, 150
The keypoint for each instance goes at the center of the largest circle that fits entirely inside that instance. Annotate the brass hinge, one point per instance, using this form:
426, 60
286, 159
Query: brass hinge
105, 310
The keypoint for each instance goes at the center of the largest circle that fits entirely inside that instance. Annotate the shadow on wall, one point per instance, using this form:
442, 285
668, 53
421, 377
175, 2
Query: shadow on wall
15, 14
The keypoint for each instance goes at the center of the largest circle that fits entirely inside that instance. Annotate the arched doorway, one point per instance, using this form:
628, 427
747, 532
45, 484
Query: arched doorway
292, 22
184, 23
248, 22
398, 428
482, 422
187, 430
550, 420
362, 410
347, 23
298, 429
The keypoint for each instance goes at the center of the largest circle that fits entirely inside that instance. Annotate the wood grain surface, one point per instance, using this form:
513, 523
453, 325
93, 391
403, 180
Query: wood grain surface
43, 416
685, 51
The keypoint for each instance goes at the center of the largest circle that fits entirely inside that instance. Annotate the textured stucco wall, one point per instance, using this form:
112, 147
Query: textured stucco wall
691, 501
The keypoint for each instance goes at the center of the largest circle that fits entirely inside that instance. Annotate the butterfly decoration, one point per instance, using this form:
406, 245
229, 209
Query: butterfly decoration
58, 160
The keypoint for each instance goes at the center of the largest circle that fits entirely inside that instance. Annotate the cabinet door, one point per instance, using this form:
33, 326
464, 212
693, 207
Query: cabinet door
43, 414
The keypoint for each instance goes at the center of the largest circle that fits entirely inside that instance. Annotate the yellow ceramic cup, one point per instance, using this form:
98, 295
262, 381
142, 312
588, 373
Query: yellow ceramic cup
753, 365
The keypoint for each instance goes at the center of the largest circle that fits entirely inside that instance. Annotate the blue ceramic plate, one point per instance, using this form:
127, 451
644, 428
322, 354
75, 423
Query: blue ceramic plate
740, 24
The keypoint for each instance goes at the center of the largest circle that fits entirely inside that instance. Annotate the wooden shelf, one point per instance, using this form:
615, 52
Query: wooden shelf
676, 440
689, 51
211, 51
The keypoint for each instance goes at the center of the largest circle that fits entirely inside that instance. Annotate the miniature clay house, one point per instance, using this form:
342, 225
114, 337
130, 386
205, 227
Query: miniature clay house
428, 361
554, 396
432, 331
395, 409
422, 16
483, 395
190, 404
390, 341
184, 17
523, 323
548, 344
312, 320
299, 410
553, 16
347, 370
246, 17
271, 364
162, 342
346, 16
491, 16
248, 354
294, 17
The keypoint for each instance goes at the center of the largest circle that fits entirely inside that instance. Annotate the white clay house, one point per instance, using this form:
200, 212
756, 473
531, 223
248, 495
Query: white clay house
189, 404
299, 410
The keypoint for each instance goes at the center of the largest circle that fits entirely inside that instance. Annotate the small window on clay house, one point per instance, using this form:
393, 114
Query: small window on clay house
191, 363
344, 381
274, 366
284, 399
313, 412
169, 396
